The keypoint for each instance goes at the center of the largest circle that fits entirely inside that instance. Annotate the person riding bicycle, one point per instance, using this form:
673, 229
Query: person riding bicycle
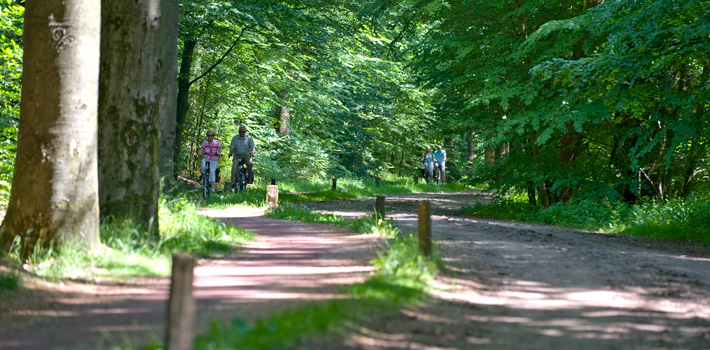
428, 162
440, 156
242, 147
210, 151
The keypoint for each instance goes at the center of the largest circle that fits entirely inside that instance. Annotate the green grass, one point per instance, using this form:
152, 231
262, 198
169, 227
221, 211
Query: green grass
368, 224
129, 251
686, 220
401, 278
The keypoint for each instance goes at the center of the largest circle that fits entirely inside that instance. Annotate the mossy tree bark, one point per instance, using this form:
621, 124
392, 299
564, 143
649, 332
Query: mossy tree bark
55, 182
130, 100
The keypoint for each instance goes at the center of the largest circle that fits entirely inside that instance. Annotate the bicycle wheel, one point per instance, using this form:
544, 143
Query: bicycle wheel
206, 181
244, 178
240, 179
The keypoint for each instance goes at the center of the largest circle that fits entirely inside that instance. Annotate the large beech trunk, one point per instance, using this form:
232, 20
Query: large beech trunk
129, 110
55, 181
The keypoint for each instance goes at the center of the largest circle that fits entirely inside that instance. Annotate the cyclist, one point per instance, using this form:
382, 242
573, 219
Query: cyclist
428, 162
440, 156
242, 147
210, 151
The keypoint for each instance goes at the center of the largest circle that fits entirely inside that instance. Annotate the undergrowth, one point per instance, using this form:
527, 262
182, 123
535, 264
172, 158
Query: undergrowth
128, 250
685, 220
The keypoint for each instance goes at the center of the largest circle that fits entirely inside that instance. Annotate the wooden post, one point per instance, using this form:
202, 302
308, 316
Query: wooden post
380, 206
416, 179
335, 183
181, 305
272, 196
424, 211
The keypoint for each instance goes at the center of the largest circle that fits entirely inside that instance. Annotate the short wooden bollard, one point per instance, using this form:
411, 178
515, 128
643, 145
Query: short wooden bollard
272, 196
424, 211
181, 305
335, 184
380, 206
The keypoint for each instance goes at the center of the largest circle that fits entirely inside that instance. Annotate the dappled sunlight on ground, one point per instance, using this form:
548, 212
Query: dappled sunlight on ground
513, 285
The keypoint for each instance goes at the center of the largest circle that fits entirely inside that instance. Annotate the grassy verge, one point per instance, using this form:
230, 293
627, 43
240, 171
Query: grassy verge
402, 277
293, 192
686, 220
128, 251
368, 224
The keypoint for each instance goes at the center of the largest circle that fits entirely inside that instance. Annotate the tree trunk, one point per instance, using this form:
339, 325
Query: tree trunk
284, 115
129, 111
168, 35
55, 181
490, 153
571, 147
541, 189
451, 169
471, 156
183, 102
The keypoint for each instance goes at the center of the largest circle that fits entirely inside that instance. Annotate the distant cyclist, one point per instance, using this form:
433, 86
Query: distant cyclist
440, 156
210, 151
428, 162
242, 147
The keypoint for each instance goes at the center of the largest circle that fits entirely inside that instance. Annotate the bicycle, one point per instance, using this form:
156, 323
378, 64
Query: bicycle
206, 188
239, 180
437, 173
427, 177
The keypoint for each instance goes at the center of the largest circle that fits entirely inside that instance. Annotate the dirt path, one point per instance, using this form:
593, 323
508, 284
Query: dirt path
289, 263
521, 286
512, 286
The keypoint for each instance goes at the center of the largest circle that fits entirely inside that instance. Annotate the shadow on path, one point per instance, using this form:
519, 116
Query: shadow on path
288, 264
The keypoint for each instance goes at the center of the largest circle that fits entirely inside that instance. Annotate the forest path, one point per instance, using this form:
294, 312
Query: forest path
523, 286
512, 286
288, 264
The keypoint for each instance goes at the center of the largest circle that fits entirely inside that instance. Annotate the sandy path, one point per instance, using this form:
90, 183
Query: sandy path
288, 264
521, 286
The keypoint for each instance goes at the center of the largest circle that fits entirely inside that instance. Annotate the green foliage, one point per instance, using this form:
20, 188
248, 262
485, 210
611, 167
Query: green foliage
354, 107
11, 24
601, 97
678, 219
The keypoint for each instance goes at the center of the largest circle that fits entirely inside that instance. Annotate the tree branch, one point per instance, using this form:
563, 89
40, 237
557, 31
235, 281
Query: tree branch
221, 58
